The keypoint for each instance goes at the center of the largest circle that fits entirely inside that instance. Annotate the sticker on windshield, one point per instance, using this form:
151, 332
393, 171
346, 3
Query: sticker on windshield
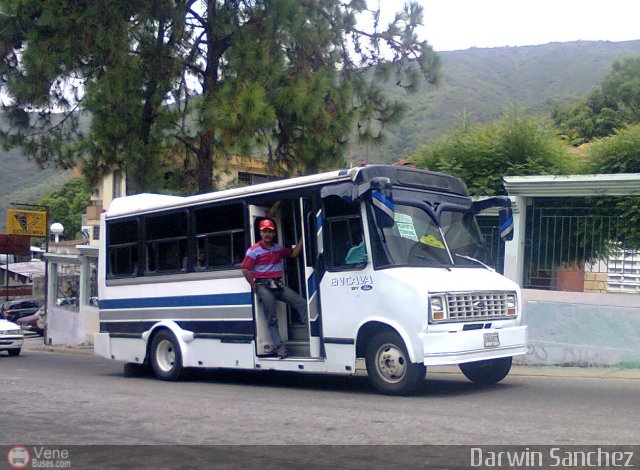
405, 226
432, 241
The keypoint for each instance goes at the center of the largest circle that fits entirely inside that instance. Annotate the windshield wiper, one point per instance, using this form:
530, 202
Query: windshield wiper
475, 260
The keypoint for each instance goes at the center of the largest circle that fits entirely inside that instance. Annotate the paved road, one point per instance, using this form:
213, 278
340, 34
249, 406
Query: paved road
55, 398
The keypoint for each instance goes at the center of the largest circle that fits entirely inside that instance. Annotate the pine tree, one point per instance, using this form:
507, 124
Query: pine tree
287, 77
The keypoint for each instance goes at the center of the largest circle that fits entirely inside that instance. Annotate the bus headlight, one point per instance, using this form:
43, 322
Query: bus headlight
512, 304
437, 308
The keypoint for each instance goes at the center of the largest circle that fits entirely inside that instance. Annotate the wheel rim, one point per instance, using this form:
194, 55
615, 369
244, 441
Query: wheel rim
391, 363
165, 355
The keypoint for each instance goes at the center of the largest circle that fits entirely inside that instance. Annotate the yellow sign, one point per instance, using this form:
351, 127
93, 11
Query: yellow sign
33, 223
432, 241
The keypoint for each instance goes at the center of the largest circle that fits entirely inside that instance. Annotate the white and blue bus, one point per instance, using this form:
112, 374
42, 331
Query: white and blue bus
419, 293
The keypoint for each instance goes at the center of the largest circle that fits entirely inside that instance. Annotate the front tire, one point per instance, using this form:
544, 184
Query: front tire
388, 365
14, 352
166, 356
487, 372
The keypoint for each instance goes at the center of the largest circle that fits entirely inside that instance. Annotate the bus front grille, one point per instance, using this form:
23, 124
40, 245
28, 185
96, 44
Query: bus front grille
477, 305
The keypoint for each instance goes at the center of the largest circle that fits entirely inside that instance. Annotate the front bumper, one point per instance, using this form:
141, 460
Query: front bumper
11, 342
457, 347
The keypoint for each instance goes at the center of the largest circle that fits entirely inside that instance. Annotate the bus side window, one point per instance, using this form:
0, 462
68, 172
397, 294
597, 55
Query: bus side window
123, 248
220, 237
339, 242
344, 232
166, 242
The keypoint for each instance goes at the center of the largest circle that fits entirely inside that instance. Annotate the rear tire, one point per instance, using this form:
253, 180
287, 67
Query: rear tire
166, 357
14, 352
487, 372
388, 365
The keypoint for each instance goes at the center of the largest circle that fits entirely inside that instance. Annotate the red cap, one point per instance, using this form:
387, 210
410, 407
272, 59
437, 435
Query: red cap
267, 224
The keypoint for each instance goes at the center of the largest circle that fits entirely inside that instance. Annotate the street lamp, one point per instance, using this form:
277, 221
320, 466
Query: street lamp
57, 229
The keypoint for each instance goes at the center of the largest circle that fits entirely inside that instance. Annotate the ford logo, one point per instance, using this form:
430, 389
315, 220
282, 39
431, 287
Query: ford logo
367, 287
479, 305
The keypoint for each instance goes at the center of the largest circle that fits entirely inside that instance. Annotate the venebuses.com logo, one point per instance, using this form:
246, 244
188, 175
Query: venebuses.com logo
18, 457
38, 457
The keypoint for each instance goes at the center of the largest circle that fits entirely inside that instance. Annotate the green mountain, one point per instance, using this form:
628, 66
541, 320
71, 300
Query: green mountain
479, 82
485, 82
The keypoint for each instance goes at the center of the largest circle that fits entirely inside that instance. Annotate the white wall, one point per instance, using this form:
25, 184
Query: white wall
582, 329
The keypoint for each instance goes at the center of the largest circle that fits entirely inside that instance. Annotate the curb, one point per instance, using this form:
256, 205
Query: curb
557, 371
64, 349
577, 372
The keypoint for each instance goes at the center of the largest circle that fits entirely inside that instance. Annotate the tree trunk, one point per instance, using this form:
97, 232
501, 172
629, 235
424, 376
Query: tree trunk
205, 164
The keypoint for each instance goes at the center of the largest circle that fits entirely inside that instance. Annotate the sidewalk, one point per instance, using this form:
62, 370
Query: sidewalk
36, 343
62, 349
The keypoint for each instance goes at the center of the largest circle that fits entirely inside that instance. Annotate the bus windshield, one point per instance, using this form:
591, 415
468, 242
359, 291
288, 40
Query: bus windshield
416, 239
464, 239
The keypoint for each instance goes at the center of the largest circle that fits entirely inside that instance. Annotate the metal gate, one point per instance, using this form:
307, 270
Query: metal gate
573, 246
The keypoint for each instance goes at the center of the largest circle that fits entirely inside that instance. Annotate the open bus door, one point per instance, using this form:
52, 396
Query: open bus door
295, 220
264, 343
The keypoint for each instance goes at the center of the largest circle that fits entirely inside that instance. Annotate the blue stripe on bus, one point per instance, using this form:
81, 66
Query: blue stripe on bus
229, 327
178, 301
506, 224
311, 285
245, 327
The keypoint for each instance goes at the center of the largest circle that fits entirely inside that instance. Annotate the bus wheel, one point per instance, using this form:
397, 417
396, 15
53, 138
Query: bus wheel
388, 366
487, 372
166, 357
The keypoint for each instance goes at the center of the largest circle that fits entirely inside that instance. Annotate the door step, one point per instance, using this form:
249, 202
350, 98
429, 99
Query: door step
299, 333
292, 358
298, 348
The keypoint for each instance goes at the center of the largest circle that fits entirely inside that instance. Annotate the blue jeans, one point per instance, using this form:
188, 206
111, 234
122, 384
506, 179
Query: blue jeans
268, 298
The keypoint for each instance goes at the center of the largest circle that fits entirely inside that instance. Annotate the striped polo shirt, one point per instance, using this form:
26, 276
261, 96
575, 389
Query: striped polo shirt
266, 262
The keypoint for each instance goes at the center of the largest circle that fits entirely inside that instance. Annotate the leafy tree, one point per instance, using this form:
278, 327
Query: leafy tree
597, 115
623, 86
217, 76
481, 155
620, 153
108, 58
67, 205
615, 103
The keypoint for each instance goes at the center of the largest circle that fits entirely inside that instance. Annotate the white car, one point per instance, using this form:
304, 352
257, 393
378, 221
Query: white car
11, 338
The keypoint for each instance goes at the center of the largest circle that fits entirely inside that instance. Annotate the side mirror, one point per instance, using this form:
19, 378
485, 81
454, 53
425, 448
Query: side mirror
505, 221
381, 183
382, 201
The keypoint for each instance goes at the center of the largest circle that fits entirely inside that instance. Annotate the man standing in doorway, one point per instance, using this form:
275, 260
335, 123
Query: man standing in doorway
263, 268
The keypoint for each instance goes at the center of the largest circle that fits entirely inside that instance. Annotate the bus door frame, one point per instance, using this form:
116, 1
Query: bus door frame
310, 218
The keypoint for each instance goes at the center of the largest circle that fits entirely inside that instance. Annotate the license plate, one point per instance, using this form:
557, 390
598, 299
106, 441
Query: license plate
491, 340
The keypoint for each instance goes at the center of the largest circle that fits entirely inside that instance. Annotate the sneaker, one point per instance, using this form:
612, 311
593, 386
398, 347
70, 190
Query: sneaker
282, 352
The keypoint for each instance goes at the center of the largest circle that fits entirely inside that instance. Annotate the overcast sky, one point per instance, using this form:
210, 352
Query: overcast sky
461, 24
